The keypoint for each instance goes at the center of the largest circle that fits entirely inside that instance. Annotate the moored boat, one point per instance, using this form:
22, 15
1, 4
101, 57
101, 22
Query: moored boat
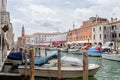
66, 72
94, 52
111, 56
71, 70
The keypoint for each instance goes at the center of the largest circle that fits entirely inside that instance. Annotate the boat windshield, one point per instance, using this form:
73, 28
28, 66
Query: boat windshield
94, 46
107, 44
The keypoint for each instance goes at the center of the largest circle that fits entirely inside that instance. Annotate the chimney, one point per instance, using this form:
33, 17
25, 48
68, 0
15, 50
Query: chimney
111, 19
115, 19
96, 18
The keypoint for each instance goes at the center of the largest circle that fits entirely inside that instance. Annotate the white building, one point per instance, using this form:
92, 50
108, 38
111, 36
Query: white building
58, 37
6, 32
57, 40
28, 40
104, 33
38, 38
45, 38
5, 20
100, 33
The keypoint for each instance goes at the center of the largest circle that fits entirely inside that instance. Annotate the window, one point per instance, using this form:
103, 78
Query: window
105, 36
100, 28
94, 29
89, 36
113, 27
114, 35
94, 37
104, 27
100, 36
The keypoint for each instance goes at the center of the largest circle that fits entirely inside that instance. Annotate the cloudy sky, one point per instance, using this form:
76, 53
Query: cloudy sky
53, 15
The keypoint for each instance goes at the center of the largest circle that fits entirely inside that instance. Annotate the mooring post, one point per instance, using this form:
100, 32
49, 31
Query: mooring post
45, 51
39, 51
31, 64
85, 65
25, 53
59, 65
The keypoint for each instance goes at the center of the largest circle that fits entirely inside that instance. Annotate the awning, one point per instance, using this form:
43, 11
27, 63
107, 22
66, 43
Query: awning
86, 41
43, 44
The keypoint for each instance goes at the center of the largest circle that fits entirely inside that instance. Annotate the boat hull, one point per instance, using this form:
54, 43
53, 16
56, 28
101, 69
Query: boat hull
95, 54
115, 57
66, 72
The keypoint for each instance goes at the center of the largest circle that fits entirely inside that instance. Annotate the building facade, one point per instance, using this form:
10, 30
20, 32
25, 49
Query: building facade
84, 33
58, 40
72, 36
42, 37
115, 31
6, 24
6, 31
38, 38
106, 33
100, 33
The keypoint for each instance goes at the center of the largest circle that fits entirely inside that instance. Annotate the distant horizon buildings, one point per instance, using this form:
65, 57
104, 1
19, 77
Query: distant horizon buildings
21, 39
92, 30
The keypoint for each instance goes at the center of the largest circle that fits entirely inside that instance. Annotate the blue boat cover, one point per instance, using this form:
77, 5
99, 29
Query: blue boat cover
42, 60
93, 50
15, 56
37, 60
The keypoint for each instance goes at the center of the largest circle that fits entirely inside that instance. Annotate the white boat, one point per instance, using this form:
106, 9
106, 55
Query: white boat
67, 71
110, 56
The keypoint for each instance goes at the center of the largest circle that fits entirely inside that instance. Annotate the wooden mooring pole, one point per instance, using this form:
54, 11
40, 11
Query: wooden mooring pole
59, 66
39, 51
31, 64
45, 51
25, 55
85, 66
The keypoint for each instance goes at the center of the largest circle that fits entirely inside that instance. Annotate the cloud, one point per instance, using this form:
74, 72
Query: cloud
40, 15
17, 21
47, 15
67, 2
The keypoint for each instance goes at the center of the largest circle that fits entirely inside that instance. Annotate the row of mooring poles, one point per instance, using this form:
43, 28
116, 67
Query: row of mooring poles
31, 51
37, 52
85, 64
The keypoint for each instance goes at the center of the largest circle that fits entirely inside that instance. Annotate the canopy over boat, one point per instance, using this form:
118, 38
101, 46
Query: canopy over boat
65, 60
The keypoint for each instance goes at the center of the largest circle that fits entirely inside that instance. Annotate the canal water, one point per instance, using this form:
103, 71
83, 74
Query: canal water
109, 70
